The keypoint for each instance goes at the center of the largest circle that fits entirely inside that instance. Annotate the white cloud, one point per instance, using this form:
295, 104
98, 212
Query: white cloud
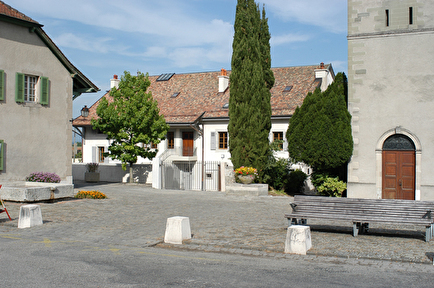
288, 38
330, 15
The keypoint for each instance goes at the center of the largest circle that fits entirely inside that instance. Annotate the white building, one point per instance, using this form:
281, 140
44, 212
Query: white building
195, 105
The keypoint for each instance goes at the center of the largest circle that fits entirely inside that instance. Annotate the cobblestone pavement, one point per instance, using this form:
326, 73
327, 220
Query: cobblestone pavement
135, 215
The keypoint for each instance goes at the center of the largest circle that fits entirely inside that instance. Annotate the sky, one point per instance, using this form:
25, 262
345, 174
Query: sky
107, 37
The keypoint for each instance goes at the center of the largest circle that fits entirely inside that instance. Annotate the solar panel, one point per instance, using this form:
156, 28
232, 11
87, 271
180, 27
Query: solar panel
165, 77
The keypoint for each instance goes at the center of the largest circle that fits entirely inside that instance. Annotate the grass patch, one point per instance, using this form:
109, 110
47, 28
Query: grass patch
273, 192
90, 195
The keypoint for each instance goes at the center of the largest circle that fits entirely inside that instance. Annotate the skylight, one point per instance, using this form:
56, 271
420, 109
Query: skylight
226, 106
165, 77
287, 89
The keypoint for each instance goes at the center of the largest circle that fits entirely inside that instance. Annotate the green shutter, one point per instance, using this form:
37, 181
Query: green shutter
45, 91
19, 88
2, 148
2, 85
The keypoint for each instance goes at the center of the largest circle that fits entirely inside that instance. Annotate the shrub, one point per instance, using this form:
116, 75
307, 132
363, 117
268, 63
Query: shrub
295, 183
327, 185
92, 167
90, 194
276, 173
43, 177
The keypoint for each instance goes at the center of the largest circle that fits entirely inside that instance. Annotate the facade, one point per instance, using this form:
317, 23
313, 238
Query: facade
391, 84
37, 87
196, 107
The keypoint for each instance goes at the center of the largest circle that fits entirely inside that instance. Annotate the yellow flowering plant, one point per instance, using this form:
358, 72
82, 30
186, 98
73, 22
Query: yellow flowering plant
246, 171
90, 194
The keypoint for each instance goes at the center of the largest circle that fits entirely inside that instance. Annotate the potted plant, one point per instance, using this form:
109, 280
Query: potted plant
246, 175
91, 174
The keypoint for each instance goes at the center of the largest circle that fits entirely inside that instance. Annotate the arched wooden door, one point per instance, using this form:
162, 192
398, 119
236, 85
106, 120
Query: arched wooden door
399, 159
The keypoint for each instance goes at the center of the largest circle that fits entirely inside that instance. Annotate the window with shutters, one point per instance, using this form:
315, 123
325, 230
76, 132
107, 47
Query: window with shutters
223, 140
33, 89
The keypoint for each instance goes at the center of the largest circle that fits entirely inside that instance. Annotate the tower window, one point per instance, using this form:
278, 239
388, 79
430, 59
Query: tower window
387, 17
410, 15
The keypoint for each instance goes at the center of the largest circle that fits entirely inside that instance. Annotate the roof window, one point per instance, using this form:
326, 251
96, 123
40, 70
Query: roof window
165, 77
287, 89
226, 106
174, 95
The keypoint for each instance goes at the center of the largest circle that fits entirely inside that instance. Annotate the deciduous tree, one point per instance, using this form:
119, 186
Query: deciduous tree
132, 121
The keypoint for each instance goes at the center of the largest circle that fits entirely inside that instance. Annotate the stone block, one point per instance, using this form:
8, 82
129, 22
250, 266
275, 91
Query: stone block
247, 189
298, 239
177, 230
30, 215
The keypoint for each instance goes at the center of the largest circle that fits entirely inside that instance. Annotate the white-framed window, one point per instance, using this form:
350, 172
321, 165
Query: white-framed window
31, 88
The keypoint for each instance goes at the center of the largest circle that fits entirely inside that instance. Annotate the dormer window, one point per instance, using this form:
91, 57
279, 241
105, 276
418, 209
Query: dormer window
287, 89
174, 95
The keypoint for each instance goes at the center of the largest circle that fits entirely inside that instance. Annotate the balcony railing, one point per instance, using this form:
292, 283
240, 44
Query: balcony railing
178, 151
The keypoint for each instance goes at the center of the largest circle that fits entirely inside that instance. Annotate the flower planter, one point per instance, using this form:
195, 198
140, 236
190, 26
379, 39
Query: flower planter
246, 179
91, 176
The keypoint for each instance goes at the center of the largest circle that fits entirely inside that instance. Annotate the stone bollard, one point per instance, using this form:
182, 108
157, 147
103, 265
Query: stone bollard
177, 229
298, 239
30, 215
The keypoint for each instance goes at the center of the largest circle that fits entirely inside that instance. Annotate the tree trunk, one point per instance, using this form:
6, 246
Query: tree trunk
131, 173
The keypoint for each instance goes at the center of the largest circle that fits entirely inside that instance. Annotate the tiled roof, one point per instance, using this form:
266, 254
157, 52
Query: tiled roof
198, 93
11, 12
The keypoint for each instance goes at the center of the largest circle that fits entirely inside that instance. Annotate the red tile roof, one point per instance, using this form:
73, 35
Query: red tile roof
198, 93
11, 12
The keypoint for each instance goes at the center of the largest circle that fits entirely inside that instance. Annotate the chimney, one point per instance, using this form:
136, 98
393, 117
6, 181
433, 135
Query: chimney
114, 82
324, 74
223, 81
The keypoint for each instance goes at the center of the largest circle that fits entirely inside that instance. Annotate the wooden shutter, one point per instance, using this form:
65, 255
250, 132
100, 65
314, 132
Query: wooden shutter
213, 141
19, 88
45, 91
2, 149
95, 154
2, 85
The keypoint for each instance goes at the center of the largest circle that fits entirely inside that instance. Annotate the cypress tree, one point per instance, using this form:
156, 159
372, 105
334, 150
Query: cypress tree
249, 103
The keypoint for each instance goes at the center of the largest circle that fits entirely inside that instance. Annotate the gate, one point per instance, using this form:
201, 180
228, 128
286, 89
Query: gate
188, 176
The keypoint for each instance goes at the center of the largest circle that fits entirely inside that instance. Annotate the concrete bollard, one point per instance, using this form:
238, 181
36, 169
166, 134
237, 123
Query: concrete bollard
30, 215
298, 239
177, 229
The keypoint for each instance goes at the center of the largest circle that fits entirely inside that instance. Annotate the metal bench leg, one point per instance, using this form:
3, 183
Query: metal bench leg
356, 226
428, 233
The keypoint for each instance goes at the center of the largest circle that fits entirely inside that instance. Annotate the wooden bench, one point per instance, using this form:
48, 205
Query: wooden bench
361, 212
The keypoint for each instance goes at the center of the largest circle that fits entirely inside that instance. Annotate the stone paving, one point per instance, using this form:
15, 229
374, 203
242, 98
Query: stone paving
135, 215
